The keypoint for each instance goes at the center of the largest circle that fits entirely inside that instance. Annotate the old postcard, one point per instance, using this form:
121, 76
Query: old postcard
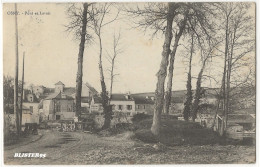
129, 83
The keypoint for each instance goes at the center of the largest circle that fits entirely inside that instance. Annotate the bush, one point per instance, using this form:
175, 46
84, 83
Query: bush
117, 129
139, 117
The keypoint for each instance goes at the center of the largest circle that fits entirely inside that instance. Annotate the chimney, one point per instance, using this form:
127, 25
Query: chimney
127, 96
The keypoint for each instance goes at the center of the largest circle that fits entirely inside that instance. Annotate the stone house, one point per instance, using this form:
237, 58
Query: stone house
58, 106
123, 103
144, 104
239, 126
30, 109
120, 103
177, 105
58, 102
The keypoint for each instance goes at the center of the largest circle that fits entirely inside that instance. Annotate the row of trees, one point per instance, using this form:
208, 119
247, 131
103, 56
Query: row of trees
88, 25
221, 30
215, 31
211, 30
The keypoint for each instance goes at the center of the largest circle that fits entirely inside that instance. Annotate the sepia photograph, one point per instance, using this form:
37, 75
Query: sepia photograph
116, 83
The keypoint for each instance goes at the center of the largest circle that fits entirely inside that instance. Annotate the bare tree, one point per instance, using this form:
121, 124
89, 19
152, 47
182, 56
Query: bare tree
155, 16
195, 21
238, 28
171, 64
207, 52
98, 16
78, 24
21, 102
16, 110
161, 75
112, 59
188, 103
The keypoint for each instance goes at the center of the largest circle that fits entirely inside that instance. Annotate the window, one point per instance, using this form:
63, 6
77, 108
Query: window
120, 107
57, 117
57, 107
138, 107
129, 107
31, 109
144, 106
26, 112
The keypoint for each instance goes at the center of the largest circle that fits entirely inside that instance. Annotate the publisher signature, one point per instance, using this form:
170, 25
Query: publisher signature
28, 13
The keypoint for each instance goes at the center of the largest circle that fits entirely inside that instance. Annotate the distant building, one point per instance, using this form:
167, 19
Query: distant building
58, 106
30, 109
125, 103
96, 105
144, 104
120, 103
240, 125
51, 98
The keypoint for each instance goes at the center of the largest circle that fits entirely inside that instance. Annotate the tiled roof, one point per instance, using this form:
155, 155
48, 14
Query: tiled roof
49, 90
35, 99
69, 91
240, 118
251, 110
92, 89
58, 95
142, 99
59, 83
177, 99
121, 97
53, 96
11, 107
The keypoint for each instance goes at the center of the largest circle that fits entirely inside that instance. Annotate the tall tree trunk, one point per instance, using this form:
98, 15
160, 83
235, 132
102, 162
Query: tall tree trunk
188, 102
168, 93
197, 97
162, 73
112, 77
229, 68
21, 104
80, 61
104, 96
170, 75
16, 110
223, 126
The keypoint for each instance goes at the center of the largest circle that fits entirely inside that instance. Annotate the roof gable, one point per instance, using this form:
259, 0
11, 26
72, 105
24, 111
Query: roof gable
59, 83
91, 88
53, 96
121, 97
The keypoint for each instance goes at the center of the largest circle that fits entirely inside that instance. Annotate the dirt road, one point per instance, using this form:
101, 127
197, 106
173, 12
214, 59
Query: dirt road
77, 148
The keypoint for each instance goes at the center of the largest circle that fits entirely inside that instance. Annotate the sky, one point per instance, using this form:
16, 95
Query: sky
51, 52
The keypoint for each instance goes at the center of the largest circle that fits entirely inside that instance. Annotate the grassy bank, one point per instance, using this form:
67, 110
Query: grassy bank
175, 132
